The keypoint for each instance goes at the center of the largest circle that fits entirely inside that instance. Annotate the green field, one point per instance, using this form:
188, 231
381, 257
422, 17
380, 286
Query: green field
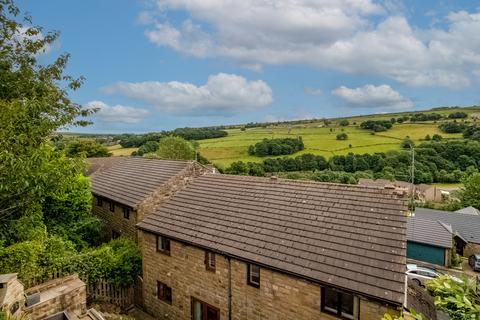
317, 140
117, 150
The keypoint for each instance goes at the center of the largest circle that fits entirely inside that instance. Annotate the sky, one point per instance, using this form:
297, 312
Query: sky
153, 65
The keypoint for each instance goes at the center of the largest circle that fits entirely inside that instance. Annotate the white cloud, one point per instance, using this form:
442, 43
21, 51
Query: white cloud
312, 91
118, 113
332, 34
371, 96
223, 94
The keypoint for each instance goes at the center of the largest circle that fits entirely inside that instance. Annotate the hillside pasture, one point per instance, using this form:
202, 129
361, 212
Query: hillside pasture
317, 139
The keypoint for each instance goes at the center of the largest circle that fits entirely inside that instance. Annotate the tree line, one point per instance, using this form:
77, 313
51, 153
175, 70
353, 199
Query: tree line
435, 161
137, 140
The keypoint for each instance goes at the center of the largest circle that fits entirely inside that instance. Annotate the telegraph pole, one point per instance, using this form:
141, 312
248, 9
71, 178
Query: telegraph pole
412, 175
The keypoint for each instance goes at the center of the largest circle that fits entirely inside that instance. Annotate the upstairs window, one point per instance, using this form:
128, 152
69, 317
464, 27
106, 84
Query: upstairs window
112, 206
99, 202
210, 263
126, 213
164, 292
253, 275
341, 304
163, 245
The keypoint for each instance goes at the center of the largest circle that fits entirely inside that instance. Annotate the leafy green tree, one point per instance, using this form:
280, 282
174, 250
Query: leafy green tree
342, 136
344, 123
470, 193
87, 148
175, 148
407, 143
148, 147
34, 103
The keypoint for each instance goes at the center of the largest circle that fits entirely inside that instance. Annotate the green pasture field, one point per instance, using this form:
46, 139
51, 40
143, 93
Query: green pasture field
317, 139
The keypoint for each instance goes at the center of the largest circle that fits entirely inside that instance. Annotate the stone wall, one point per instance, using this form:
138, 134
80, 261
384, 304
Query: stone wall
11, 296
114, 221
280, 296
470, 249
64, 294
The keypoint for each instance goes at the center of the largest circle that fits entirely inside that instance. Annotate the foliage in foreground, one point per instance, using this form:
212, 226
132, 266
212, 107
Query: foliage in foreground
117, 261
460, 300
412, 315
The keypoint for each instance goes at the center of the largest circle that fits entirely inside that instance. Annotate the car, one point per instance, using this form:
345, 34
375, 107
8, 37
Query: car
474, 261
420, 274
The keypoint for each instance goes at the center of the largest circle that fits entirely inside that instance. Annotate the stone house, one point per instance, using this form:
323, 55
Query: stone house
126, 188
233, 247
11, 294
465, 228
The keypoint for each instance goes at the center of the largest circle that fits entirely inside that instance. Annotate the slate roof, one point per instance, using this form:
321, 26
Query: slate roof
350, 237
428, 232
96, 165
130, 180
469, 210
467, 225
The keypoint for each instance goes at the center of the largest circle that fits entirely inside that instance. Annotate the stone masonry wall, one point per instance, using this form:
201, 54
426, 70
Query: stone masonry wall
280, 297
64, 294
470, 249
13, 294
114, 221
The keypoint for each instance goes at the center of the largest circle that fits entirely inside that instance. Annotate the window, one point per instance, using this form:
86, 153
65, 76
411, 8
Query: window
1, 285
99, 202
210, 261
339, 303
253, 275
164, 292
115, 234
204, 311
14, 307
163, 245
112, 206
126, 213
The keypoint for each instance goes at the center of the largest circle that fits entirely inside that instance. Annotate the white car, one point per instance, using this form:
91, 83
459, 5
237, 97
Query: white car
421, 274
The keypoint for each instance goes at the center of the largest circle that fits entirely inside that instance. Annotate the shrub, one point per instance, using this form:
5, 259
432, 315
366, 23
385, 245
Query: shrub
458, 115
344, 123
342, 136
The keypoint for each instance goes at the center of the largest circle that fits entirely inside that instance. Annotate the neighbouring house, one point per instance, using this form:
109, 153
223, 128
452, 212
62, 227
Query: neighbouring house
429, 241
126, 188
423, 192
469, 210
234, 247
465, 228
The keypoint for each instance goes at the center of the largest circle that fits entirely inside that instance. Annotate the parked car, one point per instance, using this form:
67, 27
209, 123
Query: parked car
474, 262
420, 274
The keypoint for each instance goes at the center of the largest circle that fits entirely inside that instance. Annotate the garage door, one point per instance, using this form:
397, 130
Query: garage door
425, 252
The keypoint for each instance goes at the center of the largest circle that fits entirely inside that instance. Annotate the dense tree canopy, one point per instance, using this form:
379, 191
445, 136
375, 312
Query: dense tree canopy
275, 147
376, 125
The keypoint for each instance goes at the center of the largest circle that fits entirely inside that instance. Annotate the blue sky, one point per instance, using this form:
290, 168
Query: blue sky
155, 65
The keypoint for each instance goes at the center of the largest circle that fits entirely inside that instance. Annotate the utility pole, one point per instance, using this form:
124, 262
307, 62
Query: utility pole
412, 175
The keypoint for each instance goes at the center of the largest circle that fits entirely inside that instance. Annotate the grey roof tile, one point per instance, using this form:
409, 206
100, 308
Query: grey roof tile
299, 227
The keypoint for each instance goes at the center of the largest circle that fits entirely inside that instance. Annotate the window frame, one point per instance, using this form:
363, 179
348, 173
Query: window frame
204, 308
163, 241
126, 213
162, 292
338, 313
249, 275
112, 206
99, 202
210, 257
